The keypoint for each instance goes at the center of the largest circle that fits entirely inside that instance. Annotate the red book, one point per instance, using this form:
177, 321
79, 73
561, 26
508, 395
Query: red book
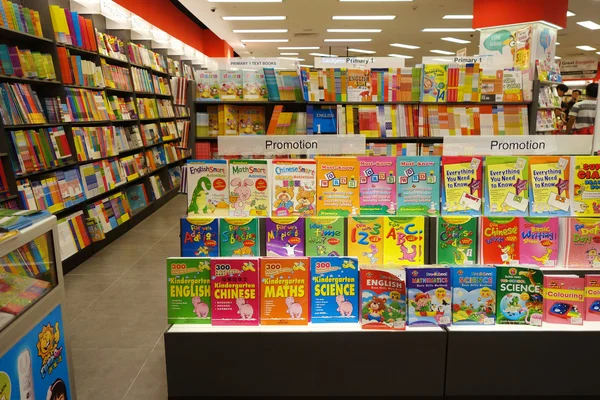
64, 62
90, 34
83, 29
274, 118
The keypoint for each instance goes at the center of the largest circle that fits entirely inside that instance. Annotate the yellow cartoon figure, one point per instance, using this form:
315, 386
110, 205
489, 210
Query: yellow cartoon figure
48, 342
248, 267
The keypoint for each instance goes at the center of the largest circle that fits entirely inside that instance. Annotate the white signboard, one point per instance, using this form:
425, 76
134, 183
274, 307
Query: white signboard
239, 63
579, 67
359, 62
271, 145
517, 145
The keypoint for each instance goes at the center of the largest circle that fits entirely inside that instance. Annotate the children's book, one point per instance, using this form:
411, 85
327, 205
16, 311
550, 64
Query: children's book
239, 237
564, 299
500, 240
539, 241
337, 186
383, 298
136, 197
365, 239
235, 291
255, 87
231, 85
473, 295
429, 294
592, 297
377, 185
325, 236
285, 237
549, 191
586, 190
519, 295
188, 290
507, 180
462, 188
359, 85
435, 83
229, 119
404, 241
207, 188
208, 85
334, 289
248, 188
199, 237
285, 288
457, 239
583, 247
294, 191
418, 185
251, 121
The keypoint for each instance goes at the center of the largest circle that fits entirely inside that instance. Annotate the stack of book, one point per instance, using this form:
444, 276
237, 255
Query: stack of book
147, 108
392, 149
175, 176
155, 158
173, 67
178, 88
26, 63
80, 72
18, 18
20, 105
134, 166
141, 55
183, 127
52, 192
55, 110
173, 153
101, 176
92, 143
128, 138
72, 29
87, 105
284, 123
37, 150
157, 186
110, 212
123, 108
463, 82
283, 85
165, 108
548, 97
161, 85
111, 46
116, 77
181, 111
169, 130
137, 198
73, 235
150, 134
142, 80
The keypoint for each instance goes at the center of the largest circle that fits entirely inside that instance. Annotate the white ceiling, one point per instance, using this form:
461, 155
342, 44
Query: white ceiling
314, 17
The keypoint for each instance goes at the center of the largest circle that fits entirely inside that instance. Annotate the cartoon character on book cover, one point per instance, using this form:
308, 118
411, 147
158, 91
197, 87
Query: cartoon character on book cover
540, 240
251, 121
285, 237
337, 186
334, 289
188, 290
507, 183
294, 192
457, 239
435, 83
383, 299
199, 237
207, 188
500, 242
586, 190
462, 189
583, 247
248, 188
429, 296
255, 86
404, 240
418, 185
208, 86
473, 295
239, 237
519, 291
231, 85
564, 299
377, 185
550, 186
365, 239
325, 236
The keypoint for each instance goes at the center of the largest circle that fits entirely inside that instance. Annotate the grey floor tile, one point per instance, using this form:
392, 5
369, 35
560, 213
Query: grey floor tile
151, 382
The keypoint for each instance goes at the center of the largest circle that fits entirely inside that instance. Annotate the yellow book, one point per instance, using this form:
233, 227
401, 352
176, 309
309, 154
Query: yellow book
37, 26
586, 190
349, 120
77, 232
404, 240
365, 239
394, 113
337, 186
10, 15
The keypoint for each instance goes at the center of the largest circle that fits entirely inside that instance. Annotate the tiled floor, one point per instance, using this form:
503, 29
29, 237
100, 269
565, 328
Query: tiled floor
116, 312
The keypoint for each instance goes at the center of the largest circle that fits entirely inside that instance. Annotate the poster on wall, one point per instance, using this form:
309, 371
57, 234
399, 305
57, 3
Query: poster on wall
36, 367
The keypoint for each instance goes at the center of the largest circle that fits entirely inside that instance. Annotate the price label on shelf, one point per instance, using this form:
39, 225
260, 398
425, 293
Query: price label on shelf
273, 145
518, 145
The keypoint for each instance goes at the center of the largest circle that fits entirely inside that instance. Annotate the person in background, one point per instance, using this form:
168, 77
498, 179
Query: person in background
583, 113
574, 99
562, 89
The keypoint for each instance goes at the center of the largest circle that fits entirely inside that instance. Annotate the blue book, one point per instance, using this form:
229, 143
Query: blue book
473, 295
136, 197
309, 119
79, 42
199, 237
418, 185
324, 121
271, 82
334, 289
80, 71
5, 60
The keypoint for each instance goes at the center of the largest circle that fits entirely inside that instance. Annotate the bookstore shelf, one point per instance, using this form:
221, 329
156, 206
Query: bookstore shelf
33, 126
140, 66
149, 119
117, 61
429, 139
115, 90
45, 171
85, 87
85, 123
157, 72
3, 154
144, 93
246, 103
77, 50
122, 121
162, 95
6, 33
358, 103
8, 198
31, 81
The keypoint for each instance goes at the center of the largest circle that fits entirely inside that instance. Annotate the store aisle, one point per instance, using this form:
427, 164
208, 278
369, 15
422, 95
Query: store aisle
116, 312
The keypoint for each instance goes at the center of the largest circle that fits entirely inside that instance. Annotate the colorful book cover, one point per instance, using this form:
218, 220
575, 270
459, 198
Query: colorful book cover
462, 188
419, 185
519, 295
359, 85
325, 236
404, 241
435, 83
239, 237
231, 85
295, 188
207, 188
251, 120
248, 188
325, 121
208, 85
473, 295
334, 289
583, 242
457, 239
377, 185
337, 186
229, 119
550, 185
234, 291
564, 299
500, 240
429, 295
285, 288
507, 181
586, 189
199, 237
592, 297
285, 237
255, 86
188, 290
539, 240
383, 297
365, 239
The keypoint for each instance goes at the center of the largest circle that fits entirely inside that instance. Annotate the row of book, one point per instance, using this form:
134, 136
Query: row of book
109, 212
34, 150
73, 234
548, 97
141, 55
157, 186
72, 29
142, 80
179, 90
147, 107
26, 63
181, 110
122, 107
88, 105
165, 108
55, 111
75, 70
394, 120
175, 176
20, 104
169, 130
161, 85
52, 192
21, 19
183, 129
116, 77
111, 46
92, 143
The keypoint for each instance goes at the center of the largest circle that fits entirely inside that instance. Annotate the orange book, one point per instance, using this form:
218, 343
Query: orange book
337, 186
90, 32
274, 118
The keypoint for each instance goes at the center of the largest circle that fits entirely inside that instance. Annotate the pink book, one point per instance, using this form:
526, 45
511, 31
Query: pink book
564, 299
592, 297
377, 185
583, 242
234, 291
539, 241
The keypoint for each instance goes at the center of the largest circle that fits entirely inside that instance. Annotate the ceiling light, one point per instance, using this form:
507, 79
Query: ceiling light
362, 51
455, 40
404, 46
365, 17
558, 58
255, 18
586, 48
442, 60
558, 44
265, 40
448, 30
245, 1
354, 30
570, 14
260, 30
291, 58
457, 16
399, 56
589, 24
348, 40
306, 66
298, 48
448, 53
322, 55
288, 54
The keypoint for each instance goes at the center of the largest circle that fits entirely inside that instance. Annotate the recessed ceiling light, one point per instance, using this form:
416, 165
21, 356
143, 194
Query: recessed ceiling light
365, 17
586, 48
442, 59
455, 40
558, 58
348, 40
255, 18
288, 54
265, 40
589, 24
448, 30
448, 53
458, 16
291, 58
298, 48
570, 14
404, 46
322, 55
354, 30
558, 44
399, 56
598, 52
306, 66
245, 1
260, 30
362, 51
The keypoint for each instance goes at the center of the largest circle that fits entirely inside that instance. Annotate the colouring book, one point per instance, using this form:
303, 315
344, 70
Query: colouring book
473, 295
377, 185
539, 241
549, 191
462, 186
457, 239
564, 299
519, 295
586, 192
199, 237
500, 240
418, 185
429, 294
507, 180
365, 239
325, 236
285, 237
248, 188
592, 297
337, 186
294, 188
583, 247
207, 191
334, 289
383, 299
188, 290
239, 237
404, 241
234, 291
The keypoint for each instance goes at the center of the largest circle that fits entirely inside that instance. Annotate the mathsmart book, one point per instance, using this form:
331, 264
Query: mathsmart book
231, 85
365, 239
235, 291
239, 237
285, 237
583, 247
404, 240
592, 297
337, 186
251, 121
473, 295
507, 186
457, 239
462, 188
207, 190
377, 185
519, 295
325, 236
383, 299
255, 87
199, 237
285, 291
564, 299
429, 296
500, 240
248, 188
434, 85
539, 241
549, 190
334, 289
418, 185
188, 290
294, 188
586, 189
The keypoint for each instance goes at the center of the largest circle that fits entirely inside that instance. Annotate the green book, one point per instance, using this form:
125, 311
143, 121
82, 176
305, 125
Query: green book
519, 295
38, 61
325, 236
28, 21
456, 240
188, 290
239, 237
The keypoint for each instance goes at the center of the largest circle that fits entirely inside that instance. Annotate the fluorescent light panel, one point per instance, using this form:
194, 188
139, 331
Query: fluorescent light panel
458, 16
288, 54
586, 48
298, 48
362, 51
364, 17
589, 24
255, 18
455, 40
570, 14
322, 55
354, 30
348, 40
448, 30
265, 40
399, 56
306, 66
448, 53
557, 57
442, 59
260, 30
291, 58
404, 46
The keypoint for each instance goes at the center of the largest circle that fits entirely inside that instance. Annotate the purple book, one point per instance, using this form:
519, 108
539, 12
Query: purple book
15, 61
285, 237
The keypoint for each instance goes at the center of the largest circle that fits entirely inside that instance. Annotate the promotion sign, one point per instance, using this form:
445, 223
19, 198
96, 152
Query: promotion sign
517, 145
579, 67
36, 367
359, 62
271, 145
